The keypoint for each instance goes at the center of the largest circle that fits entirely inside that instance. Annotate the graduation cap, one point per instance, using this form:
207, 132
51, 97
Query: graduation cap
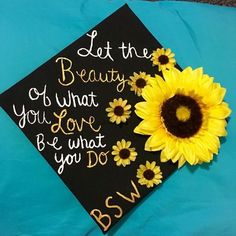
77, 109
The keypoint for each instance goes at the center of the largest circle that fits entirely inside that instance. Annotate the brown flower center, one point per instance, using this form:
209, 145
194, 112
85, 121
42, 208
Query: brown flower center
141, 83
119, 110
163, 59
124, 153
148, 174
182, 116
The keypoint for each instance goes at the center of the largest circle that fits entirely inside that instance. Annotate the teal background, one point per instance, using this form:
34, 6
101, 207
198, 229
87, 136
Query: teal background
194, 200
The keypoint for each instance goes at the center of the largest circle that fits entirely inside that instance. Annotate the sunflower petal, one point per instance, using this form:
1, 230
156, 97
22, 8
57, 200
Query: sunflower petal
217, 95
145, 109
153, 164
202, 152
123, 143
188, 152
163, 87
220, 111
168, 52
181, 162
148, 127
197, 73
172, 78
171, 148
149, 95
217, 127
163, 156
148, 165
118, 120
211, 141
156, 142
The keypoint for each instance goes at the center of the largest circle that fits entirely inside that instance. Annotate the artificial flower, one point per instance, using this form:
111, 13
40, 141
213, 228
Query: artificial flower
138, 81
123, 153
164, 59
149, 174
184, 115
119, 111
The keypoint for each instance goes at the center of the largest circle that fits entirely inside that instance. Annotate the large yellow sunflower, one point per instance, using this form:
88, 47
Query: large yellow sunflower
138, 81
149, 174
164, 59
123, 153
184, 116
119, 111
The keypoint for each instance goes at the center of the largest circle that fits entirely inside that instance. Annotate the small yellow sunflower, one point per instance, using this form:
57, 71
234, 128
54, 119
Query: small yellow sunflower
123, 153
149, 174
138, 81
164, 59
119, 111
184, 116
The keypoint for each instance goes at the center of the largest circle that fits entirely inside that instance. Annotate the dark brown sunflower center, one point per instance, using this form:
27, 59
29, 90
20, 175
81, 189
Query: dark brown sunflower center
163, 59
141, 83
124, 153
148, 174
119, 110
185, 123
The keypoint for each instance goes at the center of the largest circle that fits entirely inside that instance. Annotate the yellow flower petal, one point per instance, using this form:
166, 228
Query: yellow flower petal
156, 142
163, 157
145, 109
216, 96
113, 119
188, 153
127, 107
116, 158
148, 95
115, 152
118, 120
220, 111
147, 127
217, 127
152, 165
211, 141
110, 114
181, 161
202, 151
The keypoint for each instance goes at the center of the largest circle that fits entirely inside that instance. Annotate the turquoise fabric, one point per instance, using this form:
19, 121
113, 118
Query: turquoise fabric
194, 200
